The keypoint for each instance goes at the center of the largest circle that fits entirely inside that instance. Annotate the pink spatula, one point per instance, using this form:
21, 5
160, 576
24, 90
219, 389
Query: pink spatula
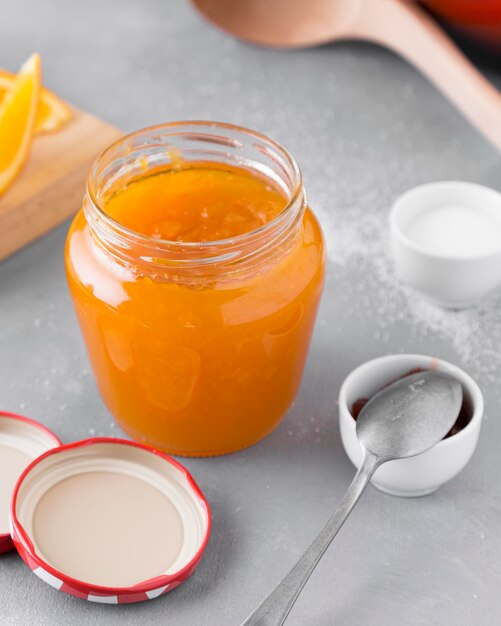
398, 25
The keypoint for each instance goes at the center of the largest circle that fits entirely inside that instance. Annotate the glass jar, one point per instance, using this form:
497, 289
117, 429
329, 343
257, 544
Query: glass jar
197, 348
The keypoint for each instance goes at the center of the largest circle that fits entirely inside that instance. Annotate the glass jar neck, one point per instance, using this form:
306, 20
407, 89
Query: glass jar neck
159, 147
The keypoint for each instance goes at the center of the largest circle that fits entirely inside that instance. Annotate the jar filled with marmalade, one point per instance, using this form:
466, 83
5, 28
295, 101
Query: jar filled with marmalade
196, 269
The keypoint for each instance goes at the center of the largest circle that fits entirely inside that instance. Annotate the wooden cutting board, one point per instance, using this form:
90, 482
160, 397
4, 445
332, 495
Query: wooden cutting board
52, 185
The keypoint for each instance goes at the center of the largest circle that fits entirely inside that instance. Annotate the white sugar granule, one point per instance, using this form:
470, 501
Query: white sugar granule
358, 247
456, 231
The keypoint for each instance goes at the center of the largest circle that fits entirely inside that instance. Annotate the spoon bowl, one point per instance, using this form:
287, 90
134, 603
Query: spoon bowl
282, 23
410, 416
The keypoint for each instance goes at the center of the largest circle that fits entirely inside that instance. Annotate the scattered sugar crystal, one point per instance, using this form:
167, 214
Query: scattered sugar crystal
359, 252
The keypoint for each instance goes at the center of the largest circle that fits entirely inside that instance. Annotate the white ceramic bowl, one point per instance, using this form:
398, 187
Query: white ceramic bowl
425, 473
451, 281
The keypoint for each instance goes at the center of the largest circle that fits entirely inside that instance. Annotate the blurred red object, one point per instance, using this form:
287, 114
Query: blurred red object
476, 20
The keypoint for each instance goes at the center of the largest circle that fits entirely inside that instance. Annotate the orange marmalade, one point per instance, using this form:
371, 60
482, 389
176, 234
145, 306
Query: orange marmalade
196, 269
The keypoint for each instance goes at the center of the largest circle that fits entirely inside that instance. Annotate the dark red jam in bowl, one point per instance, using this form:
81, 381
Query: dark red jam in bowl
464, 417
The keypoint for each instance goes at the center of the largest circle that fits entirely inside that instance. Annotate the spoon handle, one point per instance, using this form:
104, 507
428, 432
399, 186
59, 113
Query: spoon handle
273, 611
410, 32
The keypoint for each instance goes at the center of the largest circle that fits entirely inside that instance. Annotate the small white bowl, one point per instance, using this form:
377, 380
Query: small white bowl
425, 473
449, 280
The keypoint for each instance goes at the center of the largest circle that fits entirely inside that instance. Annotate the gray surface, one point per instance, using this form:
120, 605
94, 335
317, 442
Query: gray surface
364, 126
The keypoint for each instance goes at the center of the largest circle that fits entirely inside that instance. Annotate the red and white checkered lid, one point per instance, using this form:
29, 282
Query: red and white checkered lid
21, 441
104, 519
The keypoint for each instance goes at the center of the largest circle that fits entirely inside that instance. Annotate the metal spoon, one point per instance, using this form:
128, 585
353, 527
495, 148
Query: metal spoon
404, 419
401, 26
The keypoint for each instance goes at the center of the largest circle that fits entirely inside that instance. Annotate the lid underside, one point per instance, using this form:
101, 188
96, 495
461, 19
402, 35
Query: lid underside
20, 443
110, 514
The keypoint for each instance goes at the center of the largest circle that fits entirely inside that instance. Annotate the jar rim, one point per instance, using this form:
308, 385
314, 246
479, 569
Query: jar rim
184, 126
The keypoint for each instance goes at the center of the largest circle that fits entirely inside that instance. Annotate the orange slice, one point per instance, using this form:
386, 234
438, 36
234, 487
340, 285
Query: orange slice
17, 120
52, 113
